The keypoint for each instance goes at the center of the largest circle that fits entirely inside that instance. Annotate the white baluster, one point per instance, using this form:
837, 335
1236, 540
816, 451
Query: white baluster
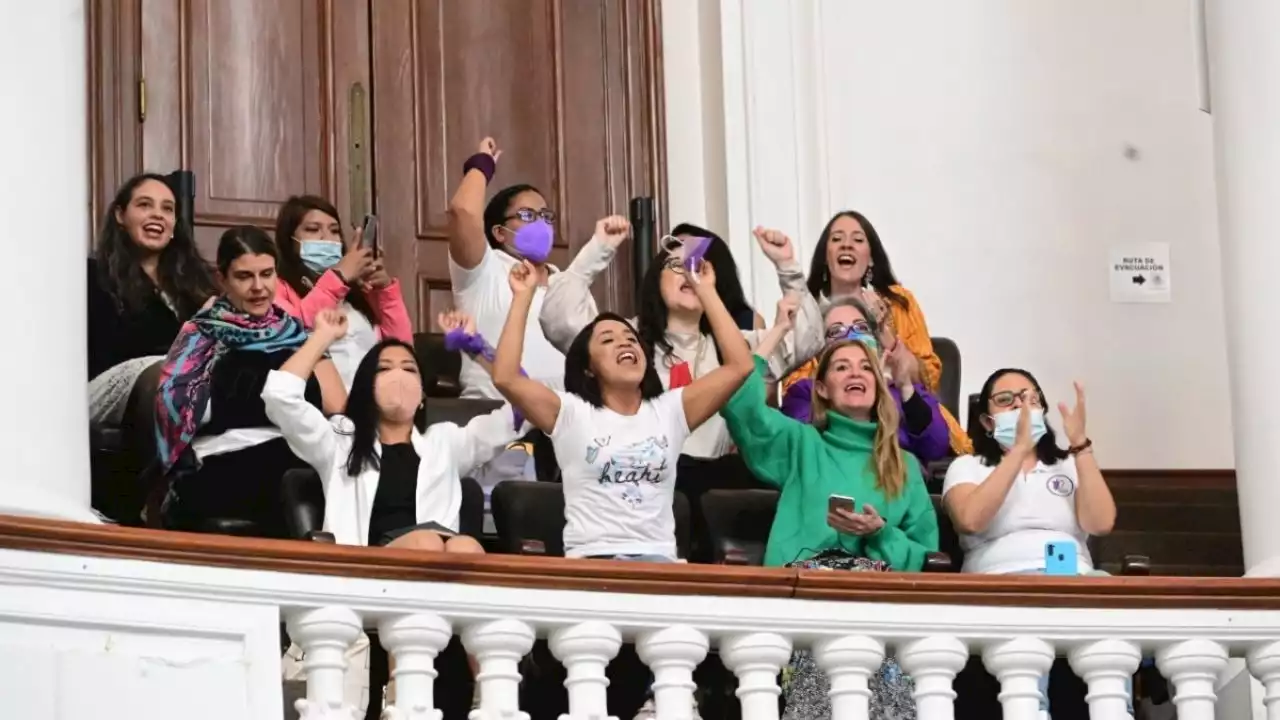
414, 641
1193, 666
1019, 664
324, 636
933, 664
849, 662
672, 654
756, 659
1107, 666
585, 650
1264, 664
498, 647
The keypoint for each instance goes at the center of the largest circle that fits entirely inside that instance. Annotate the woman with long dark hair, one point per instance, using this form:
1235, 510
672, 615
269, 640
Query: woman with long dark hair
145, 280
851, 499
850, 260
381, 446
617, 434
320, 270
221, 454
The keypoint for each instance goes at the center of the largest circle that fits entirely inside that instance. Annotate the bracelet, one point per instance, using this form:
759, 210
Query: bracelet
473, 344
483, 162
339, 275
1077, 449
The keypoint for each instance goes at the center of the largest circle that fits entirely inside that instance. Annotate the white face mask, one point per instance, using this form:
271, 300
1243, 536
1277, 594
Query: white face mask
1005, 429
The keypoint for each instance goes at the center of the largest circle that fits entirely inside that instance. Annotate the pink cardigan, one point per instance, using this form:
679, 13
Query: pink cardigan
329, 292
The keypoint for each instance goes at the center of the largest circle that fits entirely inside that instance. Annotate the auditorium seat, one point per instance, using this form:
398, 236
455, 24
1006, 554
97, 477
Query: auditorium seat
949, 384
530, 518
440, 367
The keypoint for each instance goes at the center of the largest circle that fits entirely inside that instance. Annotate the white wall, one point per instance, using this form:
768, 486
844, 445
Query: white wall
986, 140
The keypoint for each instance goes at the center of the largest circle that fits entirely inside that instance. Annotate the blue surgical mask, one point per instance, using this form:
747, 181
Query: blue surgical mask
319, 255
1006, 426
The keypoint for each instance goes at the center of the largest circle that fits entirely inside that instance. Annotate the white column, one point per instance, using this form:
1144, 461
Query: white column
1264, 664
1244, 86
756, 659
414, 642
673, 653
498, 647
324, 636
1107, 666
849, 662
933, 664
44, 160
585, 650
1019, 664
1193, 667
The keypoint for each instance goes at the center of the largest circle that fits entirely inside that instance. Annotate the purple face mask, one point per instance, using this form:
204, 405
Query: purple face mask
533, 241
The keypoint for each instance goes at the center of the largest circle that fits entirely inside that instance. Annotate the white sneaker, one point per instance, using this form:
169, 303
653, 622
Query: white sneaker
649, 712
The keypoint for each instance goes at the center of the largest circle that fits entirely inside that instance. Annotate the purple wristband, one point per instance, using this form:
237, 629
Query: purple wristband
483, 162
457, 340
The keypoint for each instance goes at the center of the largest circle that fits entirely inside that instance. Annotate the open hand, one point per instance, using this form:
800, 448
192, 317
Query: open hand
331, 324
451, 320
523, 278
489, 146
903, 365
1022, 441
775, 245
786, 315
613, 230
1073, 420
861, 524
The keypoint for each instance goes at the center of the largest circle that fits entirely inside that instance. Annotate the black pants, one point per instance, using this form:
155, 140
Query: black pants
240, 485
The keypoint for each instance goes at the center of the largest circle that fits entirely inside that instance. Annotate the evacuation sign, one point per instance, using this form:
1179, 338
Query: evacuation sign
1140, 273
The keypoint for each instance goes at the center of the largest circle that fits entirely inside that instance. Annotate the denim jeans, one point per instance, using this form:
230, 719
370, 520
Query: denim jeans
1044, 679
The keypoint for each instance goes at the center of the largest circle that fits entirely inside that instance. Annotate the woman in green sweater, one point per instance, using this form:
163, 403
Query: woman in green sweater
850, 450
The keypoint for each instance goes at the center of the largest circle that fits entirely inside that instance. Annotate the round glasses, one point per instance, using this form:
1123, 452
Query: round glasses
529, 215
837, 331
1006, 399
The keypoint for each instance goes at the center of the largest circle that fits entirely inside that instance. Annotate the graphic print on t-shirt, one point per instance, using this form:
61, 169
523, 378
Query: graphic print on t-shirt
644, 461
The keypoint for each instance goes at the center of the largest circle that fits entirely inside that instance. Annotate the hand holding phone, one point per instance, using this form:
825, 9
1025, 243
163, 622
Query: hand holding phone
841, 502
369, 236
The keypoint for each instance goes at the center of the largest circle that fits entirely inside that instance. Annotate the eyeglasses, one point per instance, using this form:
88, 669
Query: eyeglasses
1005, 399
529, 215
837, 331
674, 264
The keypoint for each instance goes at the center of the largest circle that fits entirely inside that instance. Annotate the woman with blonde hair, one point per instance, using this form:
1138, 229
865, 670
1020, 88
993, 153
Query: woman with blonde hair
851, 498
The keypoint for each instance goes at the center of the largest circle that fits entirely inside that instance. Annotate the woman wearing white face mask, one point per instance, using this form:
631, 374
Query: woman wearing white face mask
1019, 491
320, 271
388, 479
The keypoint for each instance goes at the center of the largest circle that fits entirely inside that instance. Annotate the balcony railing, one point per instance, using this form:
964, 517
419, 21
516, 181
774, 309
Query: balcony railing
113, 623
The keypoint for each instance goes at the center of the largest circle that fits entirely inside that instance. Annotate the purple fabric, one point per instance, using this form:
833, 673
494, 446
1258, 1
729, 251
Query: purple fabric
694, 250
473, 344
932, 444
483, 162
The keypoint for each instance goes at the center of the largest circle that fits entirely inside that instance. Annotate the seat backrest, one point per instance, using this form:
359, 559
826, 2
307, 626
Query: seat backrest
973, 424
458, 410
739, 522
949, 383
303, 497
529, 517
440, 367
948, 540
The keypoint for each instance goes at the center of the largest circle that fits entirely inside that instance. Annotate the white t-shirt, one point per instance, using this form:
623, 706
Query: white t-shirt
1040, 508
619, 475
483, 293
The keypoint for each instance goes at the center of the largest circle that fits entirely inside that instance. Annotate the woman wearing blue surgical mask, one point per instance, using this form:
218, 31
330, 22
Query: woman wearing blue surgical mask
320, 271
1020, 492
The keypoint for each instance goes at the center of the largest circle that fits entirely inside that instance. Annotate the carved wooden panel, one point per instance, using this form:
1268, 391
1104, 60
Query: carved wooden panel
566, 86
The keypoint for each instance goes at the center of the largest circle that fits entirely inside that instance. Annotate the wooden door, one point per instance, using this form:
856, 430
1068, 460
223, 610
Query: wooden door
570, 89
256, 98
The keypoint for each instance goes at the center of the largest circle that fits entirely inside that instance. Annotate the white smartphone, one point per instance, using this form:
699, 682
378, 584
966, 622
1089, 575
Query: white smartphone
842, 502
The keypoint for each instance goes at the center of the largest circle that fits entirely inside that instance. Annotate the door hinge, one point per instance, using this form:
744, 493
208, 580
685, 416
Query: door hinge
142, 100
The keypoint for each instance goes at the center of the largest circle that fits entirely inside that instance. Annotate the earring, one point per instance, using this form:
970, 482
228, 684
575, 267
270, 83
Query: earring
866, 277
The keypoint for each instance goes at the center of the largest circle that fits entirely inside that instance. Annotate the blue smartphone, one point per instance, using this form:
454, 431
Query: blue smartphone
1060, 559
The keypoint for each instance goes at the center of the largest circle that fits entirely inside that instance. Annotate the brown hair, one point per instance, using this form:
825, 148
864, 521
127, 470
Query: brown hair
888, 464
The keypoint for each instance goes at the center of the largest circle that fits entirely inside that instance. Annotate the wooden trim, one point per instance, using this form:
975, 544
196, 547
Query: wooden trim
292, 556
1221, 479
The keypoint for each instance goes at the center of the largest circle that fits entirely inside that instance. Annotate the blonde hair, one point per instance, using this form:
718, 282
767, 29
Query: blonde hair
887, 460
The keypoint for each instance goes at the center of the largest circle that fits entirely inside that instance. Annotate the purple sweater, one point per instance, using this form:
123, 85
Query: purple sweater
932, 443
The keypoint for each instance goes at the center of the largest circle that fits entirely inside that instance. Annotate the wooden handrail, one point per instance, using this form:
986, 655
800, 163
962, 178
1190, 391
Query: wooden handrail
291, 556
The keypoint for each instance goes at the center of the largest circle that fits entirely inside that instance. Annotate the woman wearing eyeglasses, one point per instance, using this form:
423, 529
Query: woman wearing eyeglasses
923, 430
1020, 493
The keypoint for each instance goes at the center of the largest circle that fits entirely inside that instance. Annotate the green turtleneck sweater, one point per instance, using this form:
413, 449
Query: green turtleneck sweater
809, 466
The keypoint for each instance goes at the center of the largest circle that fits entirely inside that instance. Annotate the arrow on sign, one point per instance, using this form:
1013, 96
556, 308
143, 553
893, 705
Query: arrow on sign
1139, 280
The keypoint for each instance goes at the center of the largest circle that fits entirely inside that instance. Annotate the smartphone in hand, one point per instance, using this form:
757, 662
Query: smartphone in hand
369, 238
841, 502
1060, 559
